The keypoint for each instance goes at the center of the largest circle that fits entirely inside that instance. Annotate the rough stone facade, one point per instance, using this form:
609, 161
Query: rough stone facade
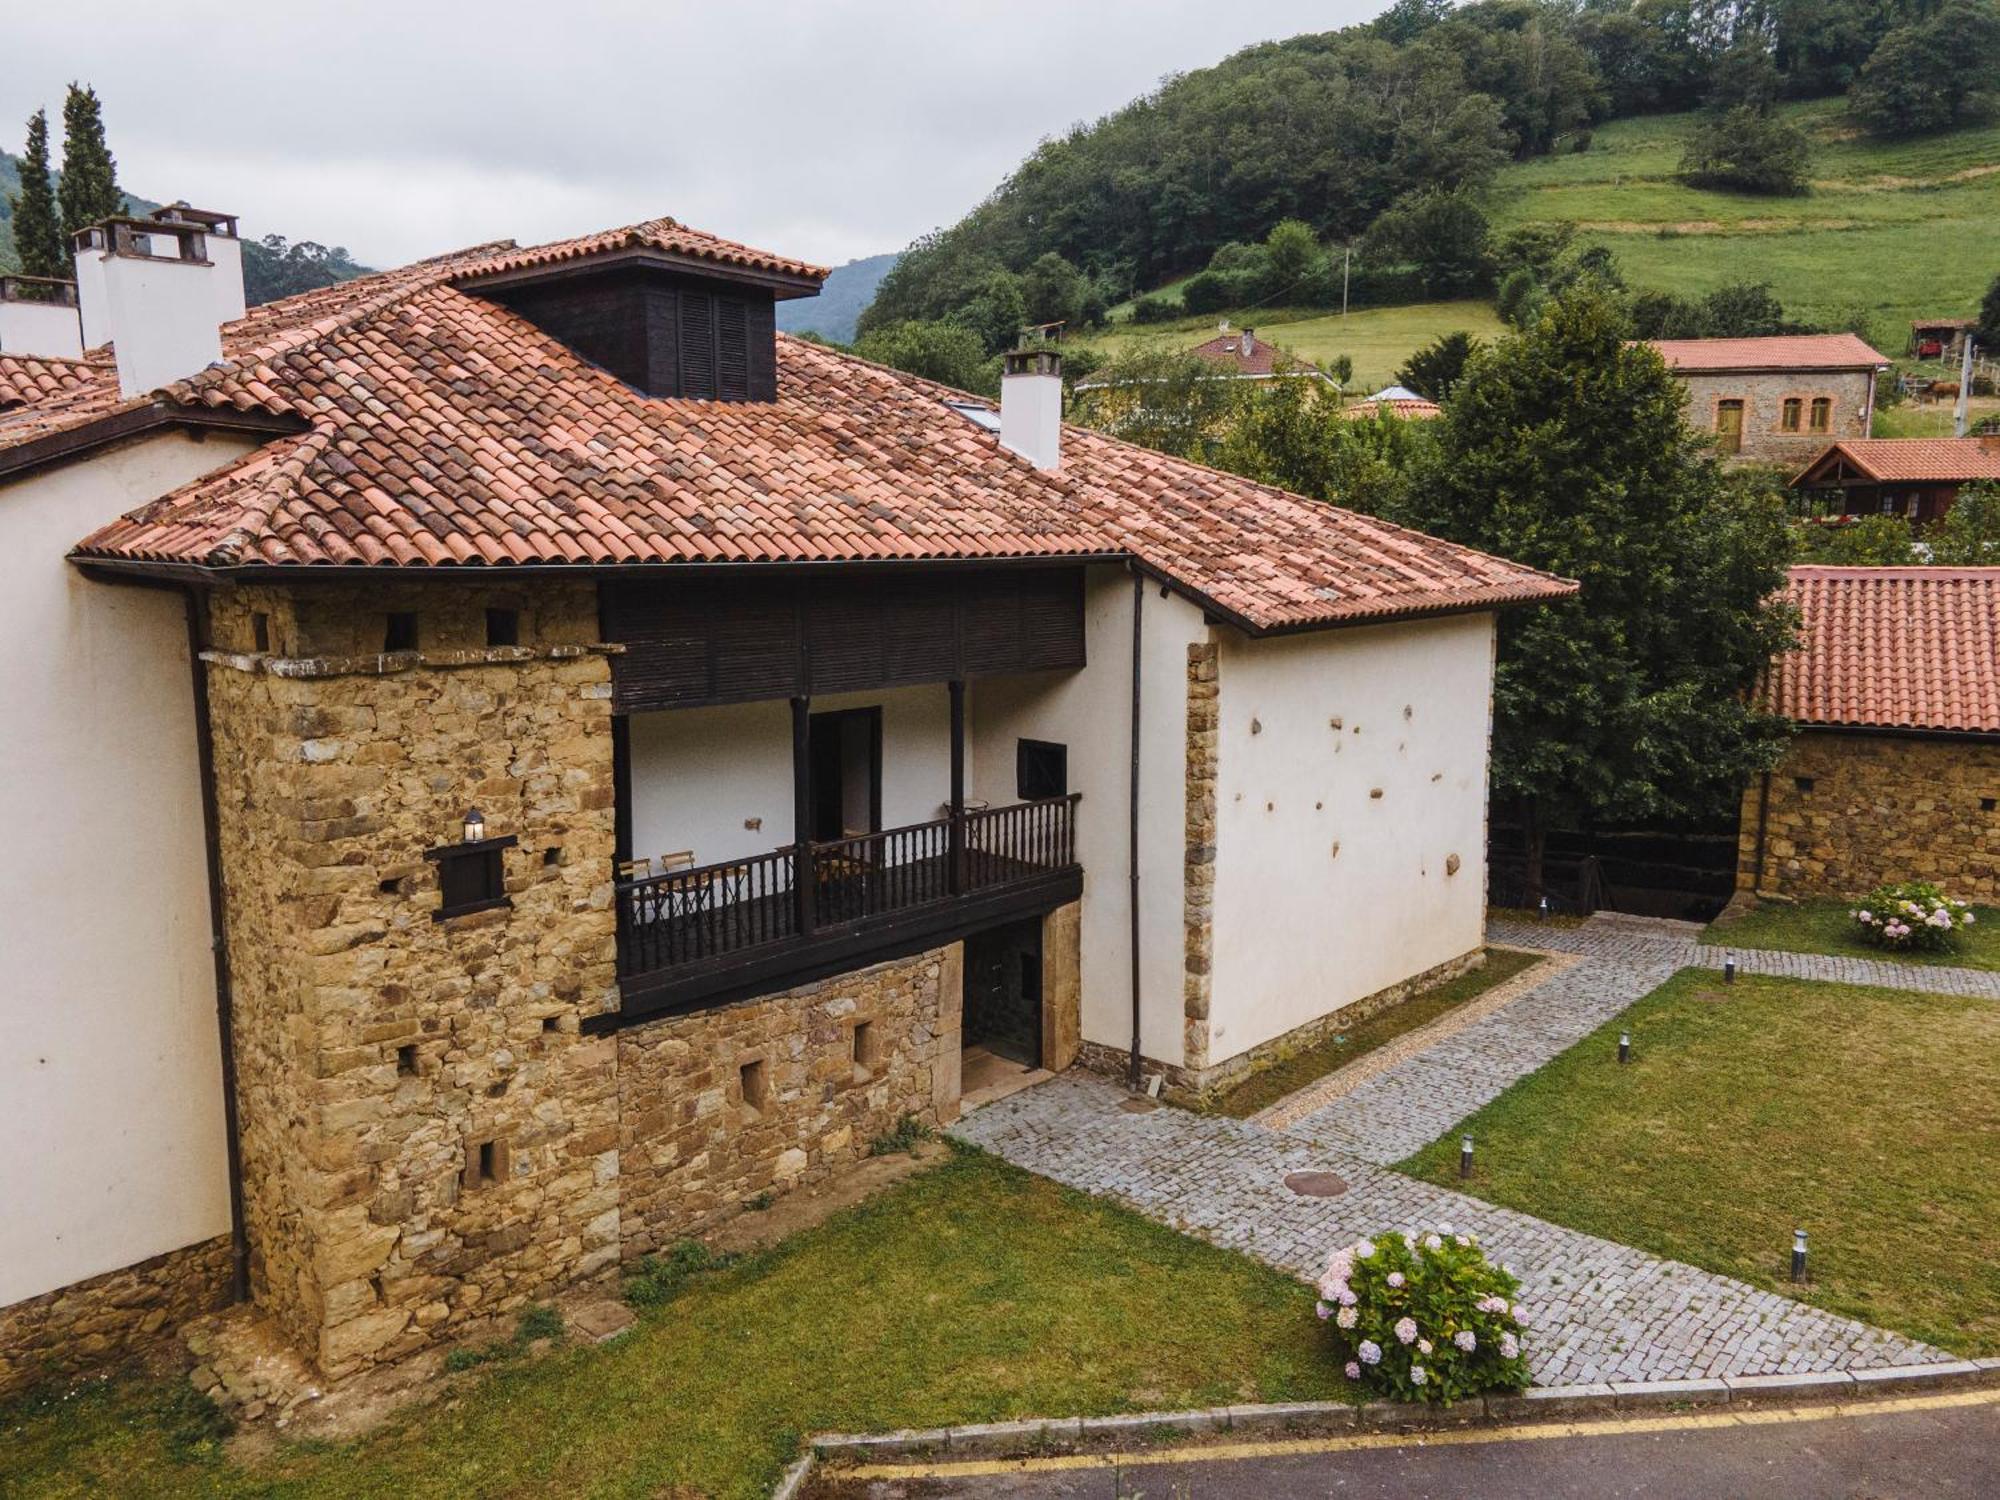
427, 1139
1062, 986
1763, 394
1849, 812
1203, 727
722, 1106
110, 1318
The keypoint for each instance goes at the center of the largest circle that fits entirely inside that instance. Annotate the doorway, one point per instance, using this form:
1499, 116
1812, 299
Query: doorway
844, 757
1729, 426
1003, 997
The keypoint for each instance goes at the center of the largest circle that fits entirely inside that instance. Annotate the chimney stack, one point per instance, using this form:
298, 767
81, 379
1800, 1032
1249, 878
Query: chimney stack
1248, 343
1031, 406
158, 291
38, 316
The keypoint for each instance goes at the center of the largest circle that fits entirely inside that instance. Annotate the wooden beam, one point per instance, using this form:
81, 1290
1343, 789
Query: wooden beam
956, 867
802, 871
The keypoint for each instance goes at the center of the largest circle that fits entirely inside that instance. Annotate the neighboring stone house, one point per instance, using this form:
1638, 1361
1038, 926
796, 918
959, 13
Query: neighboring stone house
1917, 478
1777, 400
1895, 772
511, 759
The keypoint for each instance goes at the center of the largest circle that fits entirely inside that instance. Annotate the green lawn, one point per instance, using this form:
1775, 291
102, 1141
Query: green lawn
973, 1292
1865, 1116
1823, 927
1293, 1073
1901, 229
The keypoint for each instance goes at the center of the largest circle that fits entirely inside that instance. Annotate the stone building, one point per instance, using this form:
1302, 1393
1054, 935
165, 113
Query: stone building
1777, 400
519, 759
1895, 772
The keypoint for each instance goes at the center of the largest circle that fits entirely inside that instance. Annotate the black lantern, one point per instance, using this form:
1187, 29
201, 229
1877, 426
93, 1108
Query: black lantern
475, 825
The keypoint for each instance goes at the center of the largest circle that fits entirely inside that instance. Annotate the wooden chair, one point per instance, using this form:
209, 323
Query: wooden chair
680, 859
635, 869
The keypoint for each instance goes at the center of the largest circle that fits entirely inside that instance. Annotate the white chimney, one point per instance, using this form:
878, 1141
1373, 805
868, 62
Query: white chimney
1031, 406
1248, 344
150, 289
224, 248
38, 316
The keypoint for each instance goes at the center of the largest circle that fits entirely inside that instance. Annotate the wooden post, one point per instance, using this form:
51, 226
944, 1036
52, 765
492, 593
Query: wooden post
802, 870
956, 865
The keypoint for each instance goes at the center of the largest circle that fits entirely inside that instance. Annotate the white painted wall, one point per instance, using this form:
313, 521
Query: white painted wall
1090, 712
110, 1072
1299, 930
700, 774
50, 329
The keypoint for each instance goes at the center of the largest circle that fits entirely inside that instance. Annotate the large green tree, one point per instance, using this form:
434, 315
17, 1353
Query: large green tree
89, 191
1564, 447
1937, 71
948, 353
1988, 329
38, 237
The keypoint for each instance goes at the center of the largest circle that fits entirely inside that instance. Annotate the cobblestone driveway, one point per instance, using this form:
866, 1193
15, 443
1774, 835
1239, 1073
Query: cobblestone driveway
1600, 1311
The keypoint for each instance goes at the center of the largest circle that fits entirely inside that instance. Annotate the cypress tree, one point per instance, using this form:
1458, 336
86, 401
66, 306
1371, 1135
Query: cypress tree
89, 191
38, 240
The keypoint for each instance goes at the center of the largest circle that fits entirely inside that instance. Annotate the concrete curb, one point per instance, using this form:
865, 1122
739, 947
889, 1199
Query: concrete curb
1019, 1439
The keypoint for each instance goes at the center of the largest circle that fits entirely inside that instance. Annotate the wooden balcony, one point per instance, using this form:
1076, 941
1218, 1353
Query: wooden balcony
718, 932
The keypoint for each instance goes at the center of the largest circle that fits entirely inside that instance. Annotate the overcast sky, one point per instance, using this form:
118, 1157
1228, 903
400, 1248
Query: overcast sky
828, 130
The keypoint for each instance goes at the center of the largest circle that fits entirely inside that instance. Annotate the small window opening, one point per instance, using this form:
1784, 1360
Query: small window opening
867, 1051
497, 1090
1803, 783
391, 887
260, 632
406, 1059
1041, 769
551, 1025
486, 1162
503, 627
1988, 804
552, 856
756, 1088
1789, 414
400, 633
1822, 414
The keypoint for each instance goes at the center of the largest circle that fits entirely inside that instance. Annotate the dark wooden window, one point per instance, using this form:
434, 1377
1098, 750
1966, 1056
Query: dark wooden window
1041, 769
503, 627
399, 633
471, 877
260, 632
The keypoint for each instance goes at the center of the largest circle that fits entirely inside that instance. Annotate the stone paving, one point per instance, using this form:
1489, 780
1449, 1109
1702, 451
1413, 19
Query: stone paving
1599, 1311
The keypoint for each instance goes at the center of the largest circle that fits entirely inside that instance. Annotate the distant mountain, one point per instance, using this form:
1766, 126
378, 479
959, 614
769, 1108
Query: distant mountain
272, 267
832, 313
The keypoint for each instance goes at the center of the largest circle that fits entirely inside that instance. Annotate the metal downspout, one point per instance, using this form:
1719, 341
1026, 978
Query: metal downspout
1132, 852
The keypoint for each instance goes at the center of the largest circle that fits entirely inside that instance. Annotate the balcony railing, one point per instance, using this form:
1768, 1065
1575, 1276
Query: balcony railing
839, 890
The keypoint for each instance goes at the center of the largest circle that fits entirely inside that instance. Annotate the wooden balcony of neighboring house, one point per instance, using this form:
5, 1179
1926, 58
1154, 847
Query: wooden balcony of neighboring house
700, 936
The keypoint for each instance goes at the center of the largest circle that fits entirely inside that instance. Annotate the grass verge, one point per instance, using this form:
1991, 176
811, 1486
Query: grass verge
1823, 927
1289, 1075
1864, 1116
973, 1292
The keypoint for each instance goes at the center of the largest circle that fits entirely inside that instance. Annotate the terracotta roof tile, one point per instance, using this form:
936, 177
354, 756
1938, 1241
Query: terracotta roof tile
1803, 351
1913, 460
1418, 410
1892, 648
446, 431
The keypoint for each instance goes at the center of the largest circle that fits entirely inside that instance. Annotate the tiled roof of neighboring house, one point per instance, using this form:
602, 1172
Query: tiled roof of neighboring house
1227, 349
443, 429
1803, 351
1892, 648
1399, 402
1913, 460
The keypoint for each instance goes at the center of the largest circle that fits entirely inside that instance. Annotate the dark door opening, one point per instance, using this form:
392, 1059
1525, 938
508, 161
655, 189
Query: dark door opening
1003, 992
844, 755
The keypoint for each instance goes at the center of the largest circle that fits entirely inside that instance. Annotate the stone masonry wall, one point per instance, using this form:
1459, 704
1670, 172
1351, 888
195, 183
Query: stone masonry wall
112, 1317
1763, 394
722, 1106
379, 1050
1203, 725
1879, 808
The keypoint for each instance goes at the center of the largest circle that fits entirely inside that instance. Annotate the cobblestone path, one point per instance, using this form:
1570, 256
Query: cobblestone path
1600, 1311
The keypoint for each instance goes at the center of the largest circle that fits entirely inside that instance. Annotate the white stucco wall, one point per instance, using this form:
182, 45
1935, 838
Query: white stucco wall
1090, 712
700, 774
1301, 930
110, 1073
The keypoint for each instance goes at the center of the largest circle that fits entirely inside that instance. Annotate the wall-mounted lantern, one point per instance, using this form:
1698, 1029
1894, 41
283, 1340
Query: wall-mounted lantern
475, 825
472, 875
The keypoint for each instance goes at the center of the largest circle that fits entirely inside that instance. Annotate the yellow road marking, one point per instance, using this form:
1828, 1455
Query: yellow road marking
1692, 1421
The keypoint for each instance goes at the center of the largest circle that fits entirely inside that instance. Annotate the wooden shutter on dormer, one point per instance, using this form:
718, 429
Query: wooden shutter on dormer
697, 345
732, 349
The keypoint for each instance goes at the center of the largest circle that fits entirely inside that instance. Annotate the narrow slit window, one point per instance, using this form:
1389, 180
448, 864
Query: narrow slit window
867, 1051
260, 632
400, 632
486, 1162
756, 1087
406, 1060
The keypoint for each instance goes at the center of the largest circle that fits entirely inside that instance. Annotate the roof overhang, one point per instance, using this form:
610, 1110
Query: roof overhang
130, 423
782, 285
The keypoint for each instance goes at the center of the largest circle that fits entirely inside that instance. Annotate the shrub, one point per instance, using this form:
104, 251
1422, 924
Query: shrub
1207, 292
1913, 917
1151, 309
1429, 1319
659, 1278
1748, 152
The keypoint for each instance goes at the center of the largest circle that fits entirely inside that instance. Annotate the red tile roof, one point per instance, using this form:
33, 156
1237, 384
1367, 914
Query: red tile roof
1227, 349
1892, 648
1802, 351
1418, 410
445, 430
1914, 460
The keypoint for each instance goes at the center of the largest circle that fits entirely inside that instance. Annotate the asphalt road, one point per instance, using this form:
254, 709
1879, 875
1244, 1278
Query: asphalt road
1908, 1448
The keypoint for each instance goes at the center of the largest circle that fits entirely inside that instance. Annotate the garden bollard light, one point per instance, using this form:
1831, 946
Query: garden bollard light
1729, 971
1465, 1157
1542, 911
1798, 1255
1624, 1046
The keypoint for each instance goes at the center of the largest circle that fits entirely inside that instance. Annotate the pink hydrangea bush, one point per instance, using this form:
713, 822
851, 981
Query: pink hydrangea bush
1424, 1317
1912, 917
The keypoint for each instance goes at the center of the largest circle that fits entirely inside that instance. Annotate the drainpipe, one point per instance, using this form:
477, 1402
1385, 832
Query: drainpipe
1763, 823
225, 1022
1132, 852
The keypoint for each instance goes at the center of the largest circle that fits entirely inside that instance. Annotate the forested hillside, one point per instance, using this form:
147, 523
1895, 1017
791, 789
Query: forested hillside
834, 312
1403, 125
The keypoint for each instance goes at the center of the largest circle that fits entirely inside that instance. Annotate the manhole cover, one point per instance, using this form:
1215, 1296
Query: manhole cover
1138, 1105
1316, 1184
